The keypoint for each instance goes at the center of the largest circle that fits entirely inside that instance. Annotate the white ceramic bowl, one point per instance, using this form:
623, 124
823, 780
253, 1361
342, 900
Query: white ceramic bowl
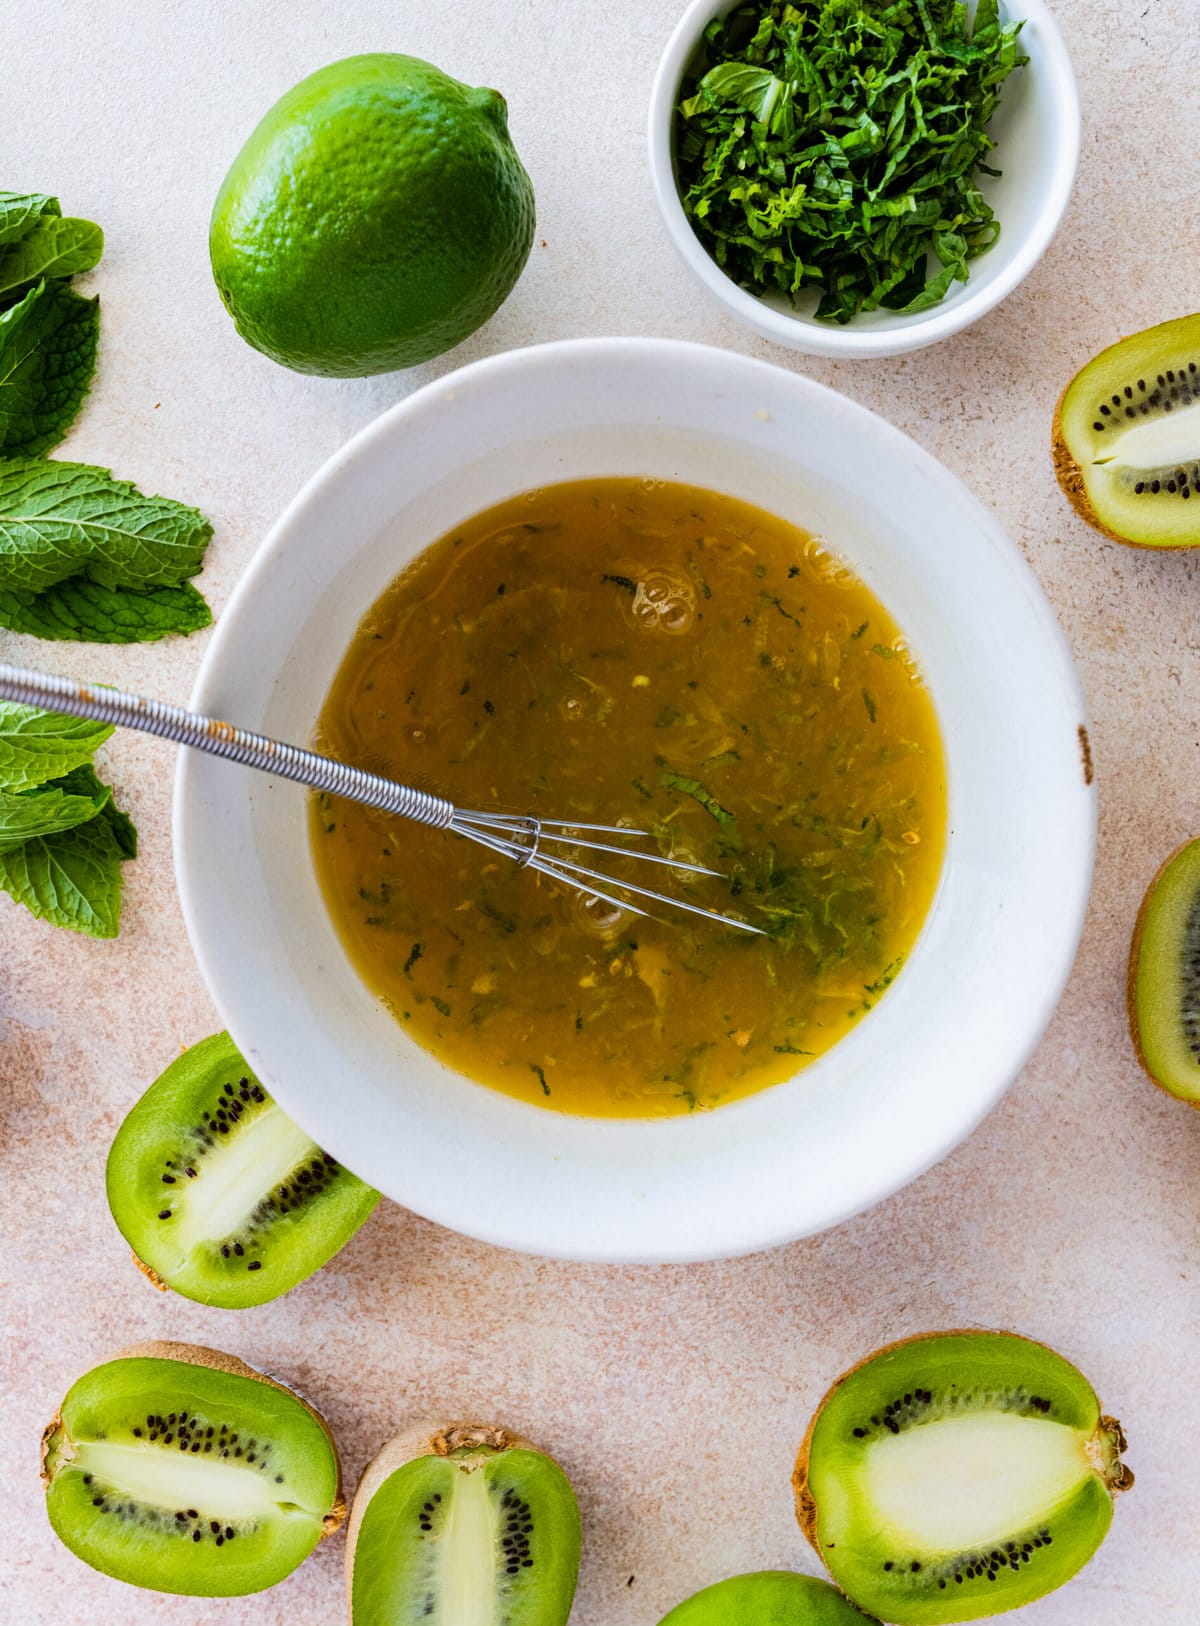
895, 1095
1036, 129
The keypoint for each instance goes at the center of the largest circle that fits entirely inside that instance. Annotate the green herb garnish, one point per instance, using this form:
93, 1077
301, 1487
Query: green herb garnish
834, 144
47, 333
62, 840
541, 1077
47, 358
699, 793
84, 556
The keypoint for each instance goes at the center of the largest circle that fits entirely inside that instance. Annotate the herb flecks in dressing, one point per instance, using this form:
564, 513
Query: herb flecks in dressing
633, 650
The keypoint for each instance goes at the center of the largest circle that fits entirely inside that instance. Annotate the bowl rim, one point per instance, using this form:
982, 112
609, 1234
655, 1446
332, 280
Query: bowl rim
804, 333
586, 1240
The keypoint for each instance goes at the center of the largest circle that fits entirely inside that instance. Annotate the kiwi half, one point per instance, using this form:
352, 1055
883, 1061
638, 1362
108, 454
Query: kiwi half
768, 1598
1126, 438
219, 1194
184, 1470
462, 1525
1163, 988
957, 1474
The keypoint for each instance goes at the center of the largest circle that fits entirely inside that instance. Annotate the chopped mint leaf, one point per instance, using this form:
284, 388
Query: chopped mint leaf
699, 793
835, 145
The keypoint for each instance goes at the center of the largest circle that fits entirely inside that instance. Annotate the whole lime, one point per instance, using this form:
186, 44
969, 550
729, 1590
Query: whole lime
377, 216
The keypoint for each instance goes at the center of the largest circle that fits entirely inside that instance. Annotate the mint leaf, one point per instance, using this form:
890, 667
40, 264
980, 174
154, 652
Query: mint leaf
755, 89
36, 746
52, 247
84, 781
62, 838
59, 520
41, 812
47, 358
72, 879
83, 611
20, 211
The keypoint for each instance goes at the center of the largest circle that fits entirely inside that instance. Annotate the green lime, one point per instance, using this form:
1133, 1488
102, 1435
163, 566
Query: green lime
377, 216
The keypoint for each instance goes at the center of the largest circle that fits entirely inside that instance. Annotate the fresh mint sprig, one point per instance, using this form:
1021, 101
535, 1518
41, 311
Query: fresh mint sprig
85, 556
47, 358
82, 556
62, 839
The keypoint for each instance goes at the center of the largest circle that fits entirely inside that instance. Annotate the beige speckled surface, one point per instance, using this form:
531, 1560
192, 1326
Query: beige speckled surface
674, 1397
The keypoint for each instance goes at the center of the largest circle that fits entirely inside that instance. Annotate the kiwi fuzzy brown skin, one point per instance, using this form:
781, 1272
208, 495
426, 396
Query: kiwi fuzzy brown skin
1135, 949
217, 1361
1117, 1479
1070, 478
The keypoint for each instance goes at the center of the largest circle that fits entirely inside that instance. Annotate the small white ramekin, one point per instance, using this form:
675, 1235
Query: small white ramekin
1036, 130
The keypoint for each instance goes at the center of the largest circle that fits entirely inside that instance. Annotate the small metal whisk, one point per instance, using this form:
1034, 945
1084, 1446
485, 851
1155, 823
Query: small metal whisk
521, 838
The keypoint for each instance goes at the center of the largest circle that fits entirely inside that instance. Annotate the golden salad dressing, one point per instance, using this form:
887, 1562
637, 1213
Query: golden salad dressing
633, 650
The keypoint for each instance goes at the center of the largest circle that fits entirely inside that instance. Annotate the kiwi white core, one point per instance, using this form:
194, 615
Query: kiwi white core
960, 1483
1158, 443
462, 1561
235, 1176
169, 1480
466, 1555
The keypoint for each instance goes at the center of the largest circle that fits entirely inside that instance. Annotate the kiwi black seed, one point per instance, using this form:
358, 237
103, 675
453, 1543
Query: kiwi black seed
464, 1524
957, 1475
221, 1196
182, 1469
1126, 438
1163, 985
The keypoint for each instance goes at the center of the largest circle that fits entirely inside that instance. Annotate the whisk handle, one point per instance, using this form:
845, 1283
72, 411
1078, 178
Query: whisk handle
221, 739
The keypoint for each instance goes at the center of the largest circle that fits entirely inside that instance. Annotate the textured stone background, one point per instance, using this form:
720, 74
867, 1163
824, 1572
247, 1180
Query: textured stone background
674, 1397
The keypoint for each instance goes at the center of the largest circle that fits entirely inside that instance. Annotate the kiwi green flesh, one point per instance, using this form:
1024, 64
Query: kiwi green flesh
185, 1479
217, 1190
1165, 977
1131, 424
958, 1476
479, 1538
767, 1598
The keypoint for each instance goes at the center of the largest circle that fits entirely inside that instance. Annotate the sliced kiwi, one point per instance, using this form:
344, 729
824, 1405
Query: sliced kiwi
1126, 438
1164, 976
219, 1194
768, 1598
184, 1470
956, 1475
462, 1525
